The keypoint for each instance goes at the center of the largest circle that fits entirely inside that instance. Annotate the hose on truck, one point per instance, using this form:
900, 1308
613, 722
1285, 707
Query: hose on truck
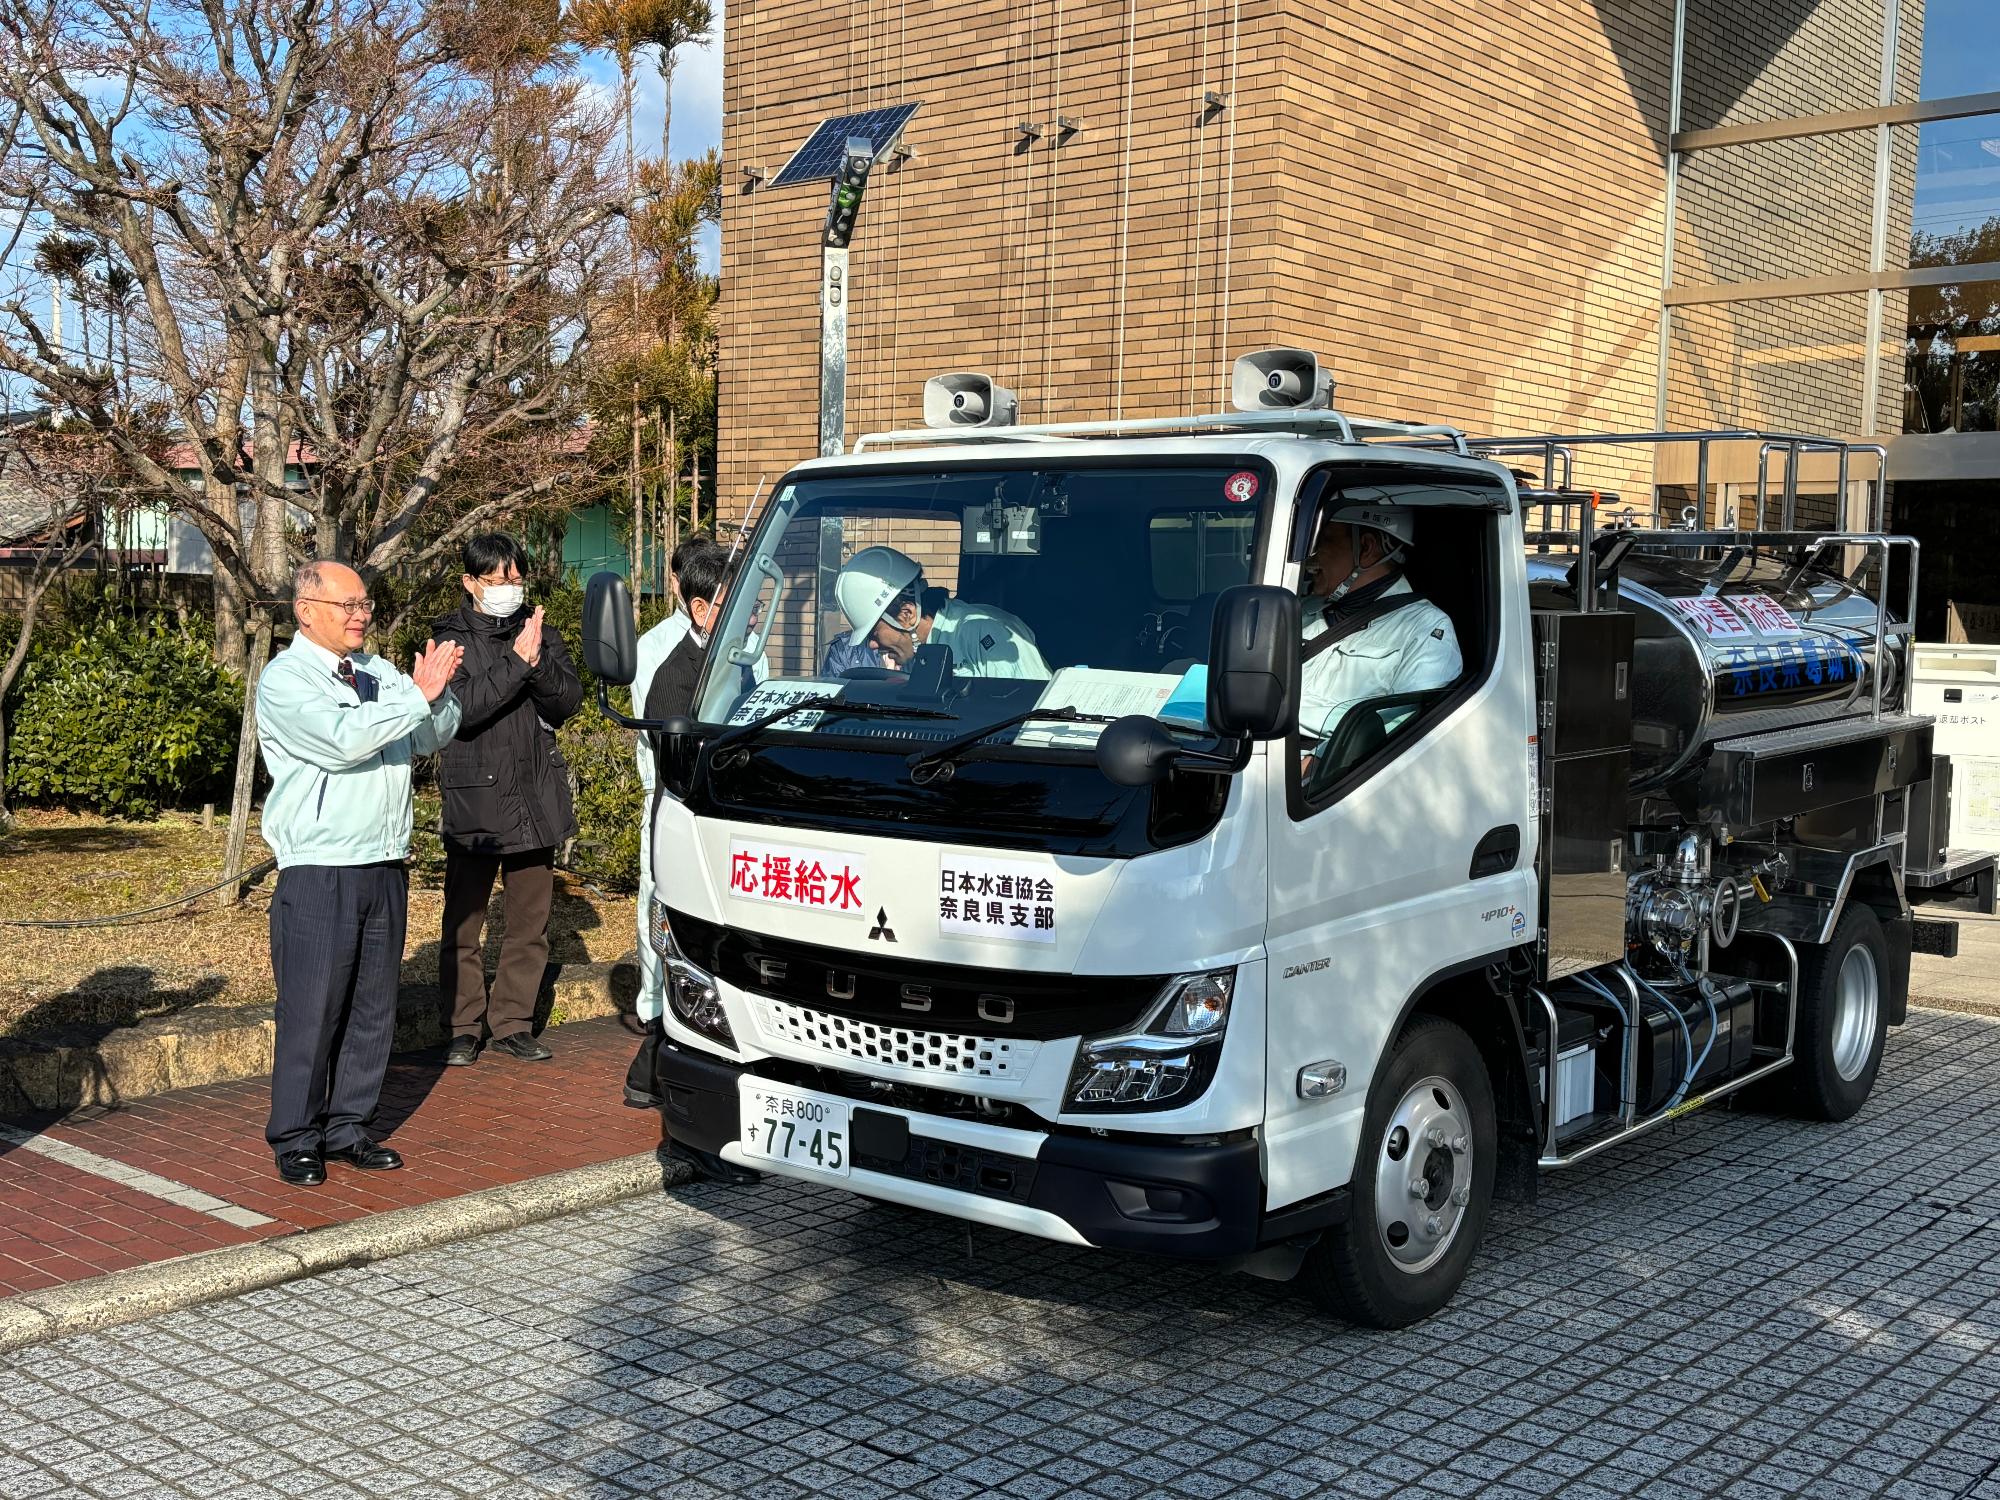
1714, 1024
1604, 991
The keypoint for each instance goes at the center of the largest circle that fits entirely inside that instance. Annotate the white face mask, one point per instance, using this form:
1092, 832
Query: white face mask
502, 599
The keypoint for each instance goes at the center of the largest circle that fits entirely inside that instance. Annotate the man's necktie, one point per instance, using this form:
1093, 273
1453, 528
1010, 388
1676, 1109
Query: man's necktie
361, 683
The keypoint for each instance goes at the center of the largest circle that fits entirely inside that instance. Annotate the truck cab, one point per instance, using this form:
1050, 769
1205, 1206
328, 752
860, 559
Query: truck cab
1054, 846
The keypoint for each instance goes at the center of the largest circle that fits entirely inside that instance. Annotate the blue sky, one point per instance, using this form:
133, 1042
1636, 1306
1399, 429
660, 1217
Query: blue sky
697, 105
1961, 47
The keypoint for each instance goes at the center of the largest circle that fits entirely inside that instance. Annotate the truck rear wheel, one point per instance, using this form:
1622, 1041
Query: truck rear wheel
1423, 1181
1843, 1018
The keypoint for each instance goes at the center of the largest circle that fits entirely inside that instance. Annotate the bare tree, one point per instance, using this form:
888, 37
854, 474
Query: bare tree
356, 264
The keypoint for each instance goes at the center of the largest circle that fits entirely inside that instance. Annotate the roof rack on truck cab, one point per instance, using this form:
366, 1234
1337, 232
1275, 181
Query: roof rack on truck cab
1273, 391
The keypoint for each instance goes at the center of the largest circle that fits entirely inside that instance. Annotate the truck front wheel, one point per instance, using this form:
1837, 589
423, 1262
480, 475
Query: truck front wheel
1423, 1181
1843, 1018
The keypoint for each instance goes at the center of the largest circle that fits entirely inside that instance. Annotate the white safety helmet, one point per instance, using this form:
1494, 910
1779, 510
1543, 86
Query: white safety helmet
1396, 521
868, 583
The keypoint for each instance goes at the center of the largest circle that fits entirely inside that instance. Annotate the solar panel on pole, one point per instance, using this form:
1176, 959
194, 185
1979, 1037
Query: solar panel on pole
820, 157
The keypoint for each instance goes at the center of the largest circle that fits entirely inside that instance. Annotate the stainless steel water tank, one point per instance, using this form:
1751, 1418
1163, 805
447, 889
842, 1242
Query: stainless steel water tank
1765, 649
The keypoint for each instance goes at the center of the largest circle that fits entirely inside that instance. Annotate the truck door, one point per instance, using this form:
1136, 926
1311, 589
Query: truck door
1401, 845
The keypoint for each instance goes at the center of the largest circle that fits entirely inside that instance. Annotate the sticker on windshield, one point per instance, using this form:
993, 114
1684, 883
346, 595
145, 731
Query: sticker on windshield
817, 879
1003, 900
1240, 487
768, 697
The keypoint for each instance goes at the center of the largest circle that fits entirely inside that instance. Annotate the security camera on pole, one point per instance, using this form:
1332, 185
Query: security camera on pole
842, 209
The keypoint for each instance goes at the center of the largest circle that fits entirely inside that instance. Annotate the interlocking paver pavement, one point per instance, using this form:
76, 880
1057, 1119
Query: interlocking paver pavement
1749, 1307
461, 1129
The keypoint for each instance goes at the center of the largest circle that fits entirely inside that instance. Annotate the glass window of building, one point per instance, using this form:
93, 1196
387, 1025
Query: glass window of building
1955, 208
1951, 46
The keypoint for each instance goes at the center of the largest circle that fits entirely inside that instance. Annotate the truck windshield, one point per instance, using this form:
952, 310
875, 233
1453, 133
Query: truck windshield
980, 595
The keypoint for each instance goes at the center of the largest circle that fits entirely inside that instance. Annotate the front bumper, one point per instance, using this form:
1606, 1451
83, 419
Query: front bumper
1193, 1201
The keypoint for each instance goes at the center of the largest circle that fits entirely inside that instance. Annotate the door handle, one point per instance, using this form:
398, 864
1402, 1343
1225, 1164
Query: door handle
1496, 853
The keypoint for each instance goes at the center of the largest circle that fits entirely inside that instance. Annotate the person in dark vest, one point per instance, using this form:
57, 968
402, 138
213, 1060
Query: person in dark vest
507, 801
338, 729
699, 578
701, 585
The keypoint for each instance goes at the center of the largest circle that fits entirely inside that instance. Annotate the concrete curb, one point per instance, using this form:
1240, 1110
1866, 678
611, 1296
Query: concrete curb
188, 1281
226, 1043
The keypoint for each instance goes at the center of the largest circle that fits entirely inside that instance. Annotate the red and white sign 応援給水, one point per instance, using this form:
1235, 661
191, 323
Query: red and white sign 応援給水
812, 879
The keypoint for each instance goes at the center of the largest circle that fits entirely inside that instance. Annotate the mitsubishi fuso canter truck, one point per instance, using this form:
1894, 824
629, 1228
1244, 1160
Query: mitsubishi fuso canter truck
1262, 838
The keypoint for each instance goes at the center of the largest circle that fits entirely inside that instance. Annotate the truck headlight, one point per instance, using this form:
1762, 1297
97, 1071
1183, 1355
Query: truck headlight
690, 988
1169, 1061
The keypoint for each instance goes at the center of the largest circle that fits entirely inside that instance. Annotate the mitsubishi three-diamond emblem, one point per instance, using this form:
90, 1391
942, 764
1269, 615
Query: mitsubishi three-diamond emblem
882, 932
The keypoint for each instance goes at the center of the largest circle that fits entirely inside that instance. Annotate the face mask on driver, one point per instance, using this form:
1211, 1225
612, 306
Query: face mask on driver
502, 599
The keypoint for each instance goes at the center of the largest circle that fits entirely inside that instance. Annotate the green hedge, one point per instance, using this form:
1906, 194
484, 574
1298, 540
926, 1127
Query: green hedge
610, 803
123, 720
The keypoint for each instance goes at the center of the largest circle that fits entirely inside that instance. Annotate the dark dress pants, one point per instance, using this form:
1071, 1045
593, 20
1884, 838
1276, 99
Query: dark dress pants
529, 882
336, 953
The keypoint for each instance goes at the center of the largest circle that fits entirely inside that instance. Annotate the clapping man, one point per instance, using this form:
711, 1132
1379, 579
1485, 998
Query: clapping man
339, 729
507, 801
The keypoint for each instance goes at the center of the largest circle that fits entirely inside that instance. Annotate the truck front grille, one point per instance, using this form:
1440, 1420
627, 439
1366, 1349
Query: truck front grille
932, 1053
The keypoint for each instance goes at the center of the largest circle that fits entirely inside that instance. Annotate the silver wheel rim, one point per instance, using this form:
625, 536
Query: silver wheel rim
1856, 997
1423, 1175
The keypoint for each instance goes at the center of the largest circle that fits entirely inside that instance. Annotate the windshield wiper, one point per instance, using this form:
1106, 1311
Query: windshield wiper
823, 701
950, 750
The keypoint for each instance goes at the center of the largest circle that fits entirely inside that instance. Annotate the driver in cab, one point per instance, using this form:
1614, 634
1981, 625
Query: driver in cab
1365, 633
882, 593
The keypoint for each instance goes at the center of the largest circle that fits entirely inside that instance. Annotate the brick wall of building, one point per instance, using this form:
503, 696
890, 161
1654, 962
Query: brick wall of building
1459, 205
1460, 208
1476, 207
1786, 210
1755, 60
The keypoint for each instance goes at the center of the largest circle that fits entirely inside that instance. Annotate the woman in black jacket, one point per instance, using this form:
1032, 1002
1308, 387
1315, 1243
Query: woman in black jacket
507, 802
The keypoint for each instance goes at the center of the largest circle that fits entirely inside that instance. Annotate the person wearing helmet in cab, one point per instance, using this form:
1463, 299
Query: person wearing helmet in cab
1365, 633
882, 593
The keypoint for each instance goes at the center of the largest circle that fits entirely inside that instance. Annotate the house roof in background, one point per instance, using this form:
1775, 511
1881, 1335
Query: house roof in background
27, 505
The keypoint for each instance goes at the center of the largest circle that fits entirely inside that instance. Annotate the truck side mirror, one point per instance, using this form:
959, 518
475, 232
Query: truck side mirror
1136, 751
1253, 662
610, 647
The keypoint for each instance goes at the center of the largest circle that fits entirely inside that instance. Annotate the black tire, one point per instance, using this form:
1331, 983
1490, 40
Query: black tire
1838, 1049
1354, 1270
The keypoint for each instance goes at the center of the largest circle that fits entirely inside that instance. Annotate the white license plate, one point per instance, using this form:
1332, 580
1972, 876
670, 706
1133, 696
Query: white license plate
793, 1126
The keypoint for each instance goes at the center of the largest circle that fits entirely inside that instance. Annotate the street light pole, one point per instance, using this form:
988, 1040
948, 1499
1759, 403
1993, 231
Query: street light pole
843, 208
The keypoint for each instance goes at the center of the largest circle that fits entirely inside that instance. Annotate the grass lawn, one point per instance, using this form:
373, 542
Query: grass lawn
61, 865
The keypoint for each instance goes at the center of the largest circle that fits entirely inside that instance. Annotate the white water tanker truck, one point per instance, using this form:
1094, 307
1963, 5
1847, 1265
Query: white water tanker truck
1112, 909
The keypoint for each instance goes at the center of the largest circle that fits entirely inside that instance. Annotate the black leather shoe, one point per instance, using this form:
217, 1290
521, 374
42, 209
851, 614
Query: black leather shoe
712, 1168
366, 1155
522, 1045
463, 1050
302, 1168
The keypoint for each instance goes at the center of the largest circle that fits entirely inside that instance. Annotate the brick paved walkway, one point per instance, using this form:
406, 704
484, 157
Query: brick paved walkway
461, 1129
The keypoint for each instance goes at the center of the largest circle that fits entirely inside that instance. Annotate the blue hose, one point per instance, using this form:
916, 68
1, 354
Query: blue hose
1714, 1022
1604, 990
